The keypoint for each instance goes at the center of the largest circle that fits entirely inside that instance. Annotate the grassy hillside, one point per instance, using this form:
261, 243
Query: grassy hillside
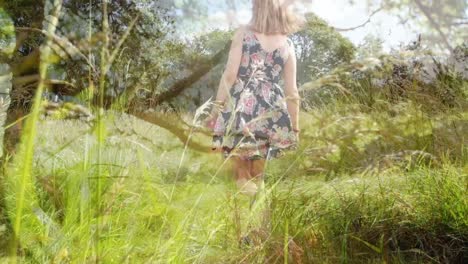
364, 187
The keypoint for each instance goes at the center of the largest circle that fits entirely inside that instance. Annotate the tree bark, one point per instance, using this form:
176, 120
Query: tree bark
176, 127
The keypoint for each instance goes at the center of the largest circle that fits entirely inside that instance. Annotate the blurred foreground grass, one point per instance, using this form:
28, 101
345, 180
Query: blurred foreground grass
364, 187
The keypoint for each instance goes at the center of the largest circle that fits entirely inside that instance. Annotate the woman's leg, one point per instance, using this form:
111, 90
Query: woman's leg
243, 177
257, 167
240, 168
257, 170
241, 171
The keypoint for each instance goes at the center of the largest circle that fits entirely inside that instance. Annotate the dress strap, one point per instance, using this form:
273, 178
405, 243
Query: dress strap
248, 33
251, 34
289, 41
248, 30
288, 45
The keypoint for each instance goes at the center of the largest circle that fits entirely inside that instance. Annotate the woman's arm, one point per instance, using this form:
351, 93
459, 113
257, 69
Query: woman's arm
232, 66
292, 95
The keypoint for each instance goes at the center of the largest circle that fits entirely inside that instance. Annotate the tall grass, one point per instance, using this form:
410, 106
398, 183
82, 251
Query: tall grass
26, 203
393, 217
394, 214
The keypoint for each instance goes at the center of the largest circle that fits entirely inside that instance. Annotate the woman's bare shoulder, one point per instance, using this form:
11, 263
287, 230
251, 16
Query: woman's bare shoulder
239, 33
242, 29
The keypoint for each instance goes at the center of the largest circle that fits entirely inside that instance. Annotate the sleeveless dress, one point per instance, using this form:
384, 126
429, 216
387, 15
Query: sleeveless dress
255, 122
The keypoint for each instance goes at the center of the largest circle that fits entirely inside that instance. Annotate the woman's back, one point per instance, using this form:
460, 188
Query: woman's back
270, 42
262, 60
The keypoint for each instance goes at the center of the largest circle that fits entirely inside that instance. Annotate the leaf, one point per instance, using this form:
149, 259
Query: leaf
7, 34
376, 249
100, 130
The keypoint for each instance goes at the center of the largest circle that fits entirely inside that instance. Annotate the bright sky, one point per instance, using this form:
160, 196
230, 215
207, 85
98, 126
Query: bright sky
340, 14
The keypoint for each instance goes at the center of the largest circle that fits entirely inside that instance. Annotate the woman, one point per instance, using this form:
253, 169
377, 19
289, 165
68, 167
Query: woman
256, 119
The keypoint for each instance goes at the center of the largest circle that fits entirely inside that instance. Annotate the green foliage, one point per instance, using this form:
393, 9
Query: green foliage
441, 22
202, 49
20, 177
358, 188
370, 47
7, 46
7, 35
143, 60
320, 49
210, 43
418, 217
391, 78
346, 139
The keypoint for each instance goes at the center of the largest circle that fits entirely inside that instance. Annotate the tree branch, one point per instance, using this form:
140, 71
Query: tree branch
434, 24
361, 25
66, 45
34, 78
178, 87
171, 125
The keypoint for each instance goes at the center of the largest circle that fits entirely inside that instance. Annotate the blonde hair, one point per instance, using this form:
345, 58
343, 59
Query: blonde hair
273, 16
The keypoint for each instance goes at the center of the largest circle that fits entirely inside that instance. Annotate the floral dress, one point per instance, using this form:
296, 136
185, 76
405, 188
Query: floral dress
255, 122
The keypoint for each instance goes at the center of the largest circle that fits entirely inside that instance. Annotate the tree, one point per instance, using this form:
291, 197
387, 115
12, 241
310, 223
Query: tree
130, 28
443, 23
320, 48
370, 47
95, 60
